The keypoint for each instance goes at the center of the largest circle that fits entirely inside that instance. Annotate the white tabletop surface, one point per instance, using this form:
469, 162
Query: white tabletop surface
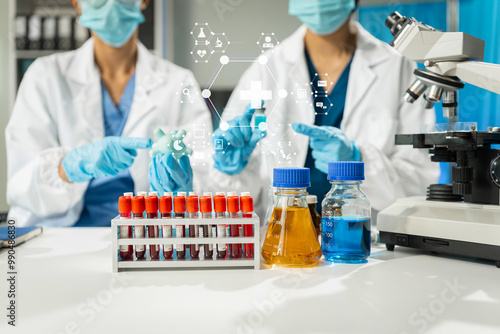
65, 285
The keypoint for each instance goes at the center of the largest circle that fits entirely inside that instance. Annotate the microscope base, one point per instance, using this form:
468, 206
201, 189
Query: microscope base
456, 228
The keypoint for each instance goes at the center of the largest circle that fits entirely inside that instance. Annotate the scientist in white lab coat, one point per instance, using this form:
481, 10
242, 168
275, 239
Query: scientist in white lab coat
351, 114
82, 122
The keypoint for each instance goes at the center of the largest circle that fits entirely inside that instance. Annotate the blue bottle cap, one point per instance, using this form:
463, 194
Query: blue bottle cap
346, 171
291, 177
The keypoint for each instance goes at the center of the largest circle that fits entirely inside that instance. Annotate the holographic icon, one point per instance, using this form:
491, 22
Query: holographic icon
256, 94
218, 144
301, 93
202, 33
267, 43
171, 143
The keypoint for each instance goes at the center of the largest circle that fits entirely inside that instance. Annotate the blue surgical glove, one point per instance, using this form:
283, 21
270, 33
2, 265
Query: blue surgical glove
106, 157
238, 143
328, 144
166, 174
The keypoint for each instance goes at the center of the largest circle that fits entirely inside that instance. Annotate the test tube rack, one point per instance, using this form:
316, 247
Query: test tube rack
207, 263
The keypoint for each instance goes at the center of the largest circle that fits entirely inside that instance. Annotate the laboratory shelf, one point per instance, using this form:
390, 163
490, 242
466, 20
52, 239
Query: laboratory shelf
33, 54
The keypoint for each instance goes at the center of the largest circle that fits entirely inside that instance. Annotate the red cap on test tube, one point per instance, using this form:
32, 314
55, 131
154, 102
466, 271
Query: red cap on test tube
220, 203
124, 204
233, 204
151, 204
246, 204
206, 204
192, 204
166, 204
179, 204
138, 204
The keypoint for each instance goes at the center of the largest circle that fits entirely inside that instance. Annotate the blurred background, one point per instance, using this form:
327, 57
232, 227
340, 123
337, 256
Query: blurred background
35, 28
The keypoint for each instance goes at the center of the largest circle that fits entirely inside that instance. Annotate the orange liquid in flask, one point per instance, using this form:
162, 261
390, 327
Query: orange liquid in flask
291, 240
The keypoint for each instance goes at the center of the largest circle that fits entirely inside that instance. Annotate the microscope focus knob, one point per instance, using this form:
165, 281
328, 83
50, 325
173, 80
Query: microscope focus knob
461, 174
462, 180
462, 188
495, 170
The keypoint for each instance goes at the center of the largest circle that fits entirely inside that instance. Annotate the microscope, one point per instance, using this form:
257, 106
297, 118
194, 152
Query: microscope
462, 218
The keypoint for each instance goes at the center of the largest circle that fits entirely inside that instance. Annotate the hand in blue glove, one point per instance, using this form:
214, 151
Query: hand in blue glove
106, 157
328, 144
238, 143
169, 175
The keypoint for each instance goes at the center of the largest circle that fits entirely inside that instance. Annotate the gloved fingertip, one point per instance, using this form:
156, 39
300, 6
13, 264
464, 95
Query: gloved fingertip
300, 128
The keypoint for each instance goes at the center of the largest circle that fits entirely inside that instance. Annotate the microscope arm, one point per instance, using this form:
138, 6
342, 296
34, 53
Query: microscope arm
479, 74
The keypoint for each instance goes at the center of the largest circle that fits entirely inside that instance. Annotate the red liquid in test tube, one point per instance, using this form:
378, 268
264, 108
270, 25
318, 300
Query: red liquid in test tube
153, 230
124, 207
192, 209
138, 213
220, 213
166, 213
206, 230
247, 210
233, 207
180, 213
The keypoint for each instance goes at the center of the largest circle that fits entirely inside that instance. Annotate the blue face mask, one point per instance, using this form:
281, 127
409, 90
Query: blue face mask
114, 22
323, 17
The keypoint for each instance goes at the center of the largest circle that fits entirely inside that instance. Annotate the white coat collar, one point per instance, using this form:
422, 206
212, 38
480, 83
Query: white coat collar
368, 54
84, 81
82, 68
366, 45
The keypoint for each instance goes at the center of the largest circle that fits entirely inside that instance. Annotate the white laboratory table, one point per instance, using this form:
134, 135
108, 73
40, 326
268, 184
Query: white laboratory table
66, 285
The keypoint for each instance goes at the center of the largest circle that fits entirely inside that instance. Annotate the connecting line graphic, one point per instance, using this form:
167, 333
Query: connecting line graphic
211, 81
213, 109
224, 60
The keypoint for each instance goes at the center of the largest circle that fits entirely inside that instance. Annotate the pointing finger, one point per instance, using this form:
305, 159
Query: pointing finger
313, 131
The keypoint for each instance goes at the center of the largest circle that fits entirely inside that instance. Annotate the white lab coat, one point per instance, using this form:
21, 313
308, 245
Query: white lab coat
374, 113
59, 107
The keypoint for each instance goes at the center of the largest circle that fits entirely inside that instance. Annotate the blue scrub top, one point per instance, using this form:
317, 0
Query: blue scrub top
101, 198
319, 183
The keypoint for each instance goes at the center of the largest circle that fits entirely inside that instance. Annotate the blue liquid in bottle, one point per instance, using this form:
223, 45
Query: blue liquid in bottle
346, 239
346, 213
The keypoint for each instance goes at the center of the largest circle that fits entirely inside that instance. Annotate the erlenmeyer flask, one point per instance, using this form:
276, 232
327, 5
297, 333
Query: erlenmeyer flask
290, 239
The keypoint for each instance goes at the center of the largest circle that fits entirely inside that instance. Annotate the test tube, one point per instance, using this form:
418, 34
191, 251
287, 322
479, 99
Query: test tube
153, 230
138, 213
220, 213
124, 208
166, 213
206, 230
180, 213
233, 207
192, 209
246, 212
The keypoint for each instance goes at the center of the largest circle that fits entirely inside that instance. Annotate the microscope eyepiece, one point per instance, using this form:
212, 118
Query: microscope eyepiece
395, 22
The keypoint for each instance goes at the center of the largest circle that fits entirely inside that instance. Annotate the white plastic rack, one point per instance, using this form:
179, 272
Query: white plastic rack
228, 262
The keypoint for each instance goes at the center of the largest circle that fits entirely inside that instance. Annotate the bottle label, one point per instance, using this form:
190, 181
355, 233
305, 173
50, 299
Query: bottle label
221, 233
139, 233
196, 235
124, 232
167, 233
211, 231
124, 235
179, 229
